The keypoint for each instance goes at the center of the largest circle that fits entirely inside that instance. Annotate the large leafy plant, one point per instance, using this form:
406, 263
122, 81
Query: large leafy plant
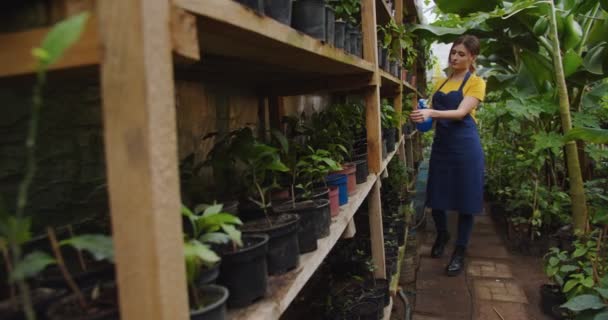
400, 43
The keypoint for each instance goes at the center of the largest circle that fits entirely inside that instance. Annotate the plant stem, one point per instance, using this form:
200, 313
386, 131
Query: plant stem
261, 192
577, 190
83, 265
195, 297
9, 269
64, 271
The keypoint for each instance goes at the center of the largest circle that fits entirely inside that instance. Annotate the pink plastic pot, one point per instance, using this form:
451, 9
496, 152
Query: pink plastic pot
334, 201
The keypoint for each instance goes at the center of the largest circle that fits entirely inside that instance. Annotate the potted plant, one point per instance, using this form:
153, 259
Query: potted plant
243, 268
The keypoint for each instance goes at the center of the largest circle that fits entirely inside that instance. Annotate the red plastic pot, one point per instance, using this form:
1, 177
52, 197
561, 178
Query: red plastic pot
334, 201
349, 169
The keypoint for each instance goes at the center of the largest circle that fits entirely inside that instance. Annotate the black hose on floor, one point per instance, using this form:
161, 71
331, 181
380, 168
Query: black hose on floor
406, 303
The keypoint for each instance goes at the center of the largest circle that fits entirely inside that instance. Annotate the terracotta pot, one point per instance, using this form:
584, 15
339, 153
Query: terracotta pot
349, 169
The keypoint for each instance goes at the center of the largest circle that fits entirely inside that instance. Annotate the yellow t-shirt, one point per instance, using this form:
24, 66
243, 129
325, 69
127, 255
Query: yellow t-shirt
475, 87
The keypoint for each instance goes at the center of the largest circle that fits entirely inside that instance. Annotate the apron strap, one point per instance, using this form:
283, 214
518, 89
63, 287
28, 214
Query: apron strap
466, 78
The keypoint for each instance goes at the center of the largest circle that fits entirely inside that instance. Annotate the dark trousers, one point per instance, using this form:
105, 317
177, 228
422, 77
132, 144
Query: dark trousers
465, 226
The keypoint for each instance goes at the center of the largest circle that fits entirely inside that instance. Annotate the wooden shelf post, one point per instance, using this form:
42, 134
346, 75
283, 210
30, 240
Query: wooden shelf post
141, 156
374, 136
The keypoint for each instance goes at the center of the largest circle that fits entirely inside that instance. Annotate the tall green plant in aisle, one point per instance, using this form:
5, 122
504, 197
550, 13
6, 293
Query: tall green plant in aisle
16, 228
577, 189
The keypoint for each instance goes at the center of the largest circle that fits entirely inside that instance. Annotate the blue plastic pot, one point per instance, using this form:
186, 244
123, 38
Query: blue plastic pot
339, 180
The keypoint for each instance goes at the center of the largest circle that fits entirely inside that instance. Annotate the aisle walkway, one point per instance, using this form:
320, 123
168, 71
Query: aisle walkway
497, 285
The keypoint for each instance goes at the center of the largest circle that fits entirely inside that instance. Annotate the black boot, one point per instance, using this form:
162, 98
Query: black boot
439, 246
457, 262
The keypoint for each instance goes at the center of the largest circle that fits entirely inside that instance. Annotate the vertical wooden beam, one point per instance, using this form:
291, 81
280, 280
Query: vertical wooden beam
141, 156
376, 231
350, 230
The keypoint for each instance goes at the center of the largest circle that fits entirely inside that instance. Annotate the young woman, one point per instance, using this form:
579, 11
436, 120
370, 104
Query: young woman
456, 166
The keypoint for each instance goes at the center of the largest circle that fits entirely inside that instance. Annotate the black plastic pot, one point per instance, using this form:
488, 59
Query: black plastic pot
317, 193
359, 49
283, 248
340, 30
315, 220
41, 299
352, 36
380, 287
389, 135
309, 17
249, 211
209, 275
244, 272
279, 10
385, 62
347, 40
362, 170
330, 25
257, 5
551, 297
52, 278
215, 309
365, 310
384, 153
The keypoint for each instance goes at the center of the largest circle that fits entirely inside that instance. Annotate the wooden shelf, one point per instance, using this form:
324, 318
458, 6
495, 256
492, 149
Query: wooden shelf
243, 37
383, 14
283, 289
411, 88
387, 310
390, 156
17, 57
389, 79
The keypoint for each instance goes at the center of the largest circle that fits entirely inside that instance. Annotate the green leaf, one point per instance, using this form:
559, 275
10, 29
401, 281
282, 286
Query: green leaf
584, 302
31, 265
553, 261
218, 219
568, 268
599, 136
571, 62
215, 237
60, 38
234, 234
604, 4
15, 230
570, 284
603, 292
195, 249
579, 252
98, 245
588, 282
595, 58
464, 7
211, 210
601, 316
277, 165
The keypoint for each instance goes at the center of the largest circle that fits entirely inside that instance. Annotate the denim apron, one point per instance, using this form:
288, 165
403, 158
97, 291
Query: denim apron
456, 167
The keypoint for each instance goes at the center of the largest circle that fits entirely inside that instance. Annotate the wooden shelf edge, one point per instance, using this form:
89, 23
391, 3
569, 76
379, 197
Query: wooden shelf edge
389, 77
411, 88
390, 156
248, 20
17, 56
283, 289
387, 310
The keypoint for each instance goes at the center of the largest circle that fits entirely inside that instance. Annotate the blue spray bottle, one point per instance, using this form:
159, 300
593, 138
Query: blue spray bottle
428, 123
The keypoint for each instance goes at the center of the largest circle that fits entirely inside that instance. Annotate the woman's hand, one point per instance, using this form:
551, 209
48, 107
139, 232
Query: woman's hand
420, 115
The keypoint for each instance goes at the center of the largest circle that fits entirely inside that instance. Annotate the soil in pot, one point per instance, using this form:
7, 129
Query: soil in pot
257, 5
214, 301
41, 299
283, 248
340, 30
96, 271
279, 10
349, 169
309, 17
334, 201
244, 272
362, 170
105, 307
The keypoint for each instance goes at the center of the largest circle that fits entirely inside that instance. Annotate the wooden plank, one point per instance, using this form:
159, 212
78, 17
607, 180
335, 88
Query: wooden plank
283, 289
376, 231
389, 80
141, 157
184, 34
390, 156
399, 12
370, 36
245, 33
350, 231
388, 310
18, 59
372, 124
